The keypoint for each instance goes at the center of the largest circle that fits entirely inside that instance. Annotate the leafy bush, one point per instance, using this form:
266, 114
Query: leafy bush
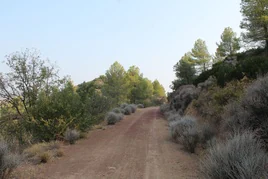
250, 64
239, 157
254, 66
8, 161
128, 110
113, 118
71, 135
211, 103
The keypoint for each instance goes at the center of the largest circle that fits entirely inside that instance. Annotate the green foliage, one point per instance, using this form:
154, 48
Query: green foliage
184, 71
229, 44
159, 90
116, 84
252, 67
255, 21
143, 91
211, 103
200, 54
248, 64
38, 106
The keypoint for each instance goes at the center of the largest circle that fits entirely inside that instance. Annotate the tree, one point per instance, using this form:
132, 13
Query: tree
28, 75
229, 44
201, 55
255, 21
185, 70
217, 57
133, 77
143, 91
116, 85
159, 90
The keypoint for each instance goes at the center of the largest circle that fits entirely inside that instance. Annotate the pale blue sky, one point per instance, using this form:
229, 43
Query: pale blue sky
85, 37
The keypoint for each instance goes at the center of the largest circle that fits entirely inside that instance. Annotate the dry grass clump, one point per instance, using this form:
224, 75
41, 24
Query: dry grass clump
8, 160
42, 152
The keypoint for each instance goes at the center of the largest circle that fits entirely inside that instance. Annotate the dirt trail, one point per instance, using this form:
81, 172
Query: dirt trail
137, 147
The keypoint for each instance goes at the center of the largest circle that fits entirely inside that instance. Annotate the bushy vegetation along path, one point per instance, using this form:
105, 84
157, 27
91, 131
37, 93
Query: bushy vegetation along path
136, 147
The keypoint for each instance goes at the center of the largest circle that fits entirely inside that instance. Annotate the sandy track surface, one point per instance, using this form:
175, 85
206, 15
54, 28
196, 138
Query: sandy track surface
137, 147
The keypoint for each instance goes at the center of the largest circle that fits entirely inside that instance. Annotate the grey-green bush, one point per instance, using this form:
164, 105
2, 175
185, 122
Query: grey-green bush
206, 133
128, 110
118, 110
178, 127
133, 108
123, 105
240, 157
189, 138
174, 117
8, 161
71, 135
113, 118
140, 106
164, 108
251, 113
185, 132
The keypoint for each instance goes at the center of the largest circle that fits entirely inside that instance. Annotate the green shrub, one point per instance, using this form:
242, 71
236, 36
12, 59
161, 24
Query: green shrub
8, 161
211, 103
71, 135
239, 157
113, 118
252, 67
